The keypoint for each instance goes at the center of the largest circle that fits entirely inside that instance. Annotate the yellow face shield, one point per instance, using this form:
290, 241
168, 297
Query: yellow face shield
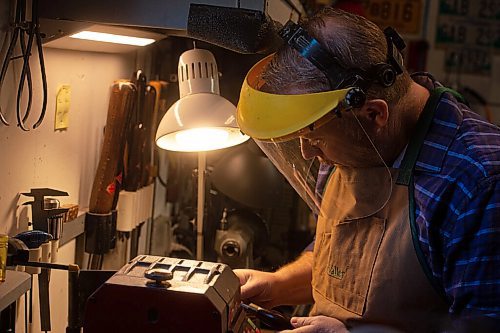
267, 116
278, 124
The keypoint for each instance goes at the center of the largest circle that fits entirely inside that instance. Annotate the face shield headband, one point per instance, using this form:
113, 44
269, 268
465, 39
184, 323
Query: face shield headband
276, 117
279, 122
339, 76
288, 114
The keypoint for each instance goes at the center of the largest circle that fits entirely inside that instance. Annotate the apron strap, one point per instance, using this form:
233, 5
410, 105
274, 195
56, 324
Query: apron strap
423, 125
405, 176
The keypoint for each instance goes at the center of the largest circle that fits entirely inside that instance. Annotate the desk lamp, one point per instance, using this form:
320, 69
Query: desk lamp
201, 120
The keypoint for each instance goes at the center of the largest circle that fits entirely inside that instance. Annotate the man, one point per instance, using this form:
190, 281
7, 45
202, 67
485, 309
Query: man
408, 221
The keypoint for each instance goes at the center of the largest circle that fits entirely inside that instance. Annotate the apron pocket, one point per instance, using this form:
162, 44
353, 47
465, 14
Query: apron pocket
352, 249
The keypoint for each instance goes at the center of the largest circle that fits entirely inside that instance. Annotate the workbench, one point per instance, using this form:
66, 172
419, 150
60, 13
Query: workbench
15, 285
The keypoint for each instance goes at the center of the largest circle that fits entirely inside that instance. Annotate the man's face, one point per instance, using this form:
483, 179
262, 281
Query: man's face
341, 141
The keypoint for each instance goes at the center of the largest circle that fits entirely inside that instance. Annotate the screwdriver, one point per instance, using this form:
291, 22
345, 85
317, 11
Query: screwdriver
274, 319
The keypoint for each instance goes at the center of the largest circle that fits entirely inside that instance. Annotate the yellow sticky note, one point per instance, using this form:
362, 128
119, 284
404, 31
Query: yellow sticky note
63, 100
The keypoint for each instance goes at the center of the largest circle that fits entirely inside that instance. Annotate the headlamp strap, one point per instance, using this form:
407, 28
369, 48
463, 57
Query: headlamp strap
395, 45
338, 76
309, 48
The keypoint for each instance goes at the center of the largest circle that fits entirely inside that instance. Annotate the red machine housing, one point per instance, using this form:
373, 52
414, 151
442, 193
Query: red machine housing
197, 297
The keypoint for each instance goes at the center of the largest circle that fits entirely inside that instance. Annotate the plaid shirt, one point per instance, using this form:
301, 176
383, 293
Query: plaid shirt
457, 198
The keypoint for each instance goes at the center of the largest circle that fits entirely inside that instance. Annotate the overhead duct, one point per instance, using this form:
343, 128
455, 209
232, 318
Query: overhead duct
204, 20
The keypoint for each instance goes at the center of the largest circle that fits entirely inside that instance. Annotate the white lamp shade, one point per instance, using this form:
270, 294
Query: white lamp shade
199, 122
197, 73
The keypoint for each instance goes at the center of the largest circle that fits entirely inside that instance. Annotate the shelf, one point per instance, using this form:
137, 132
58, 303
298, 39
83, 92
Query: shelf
15, 285
72, 229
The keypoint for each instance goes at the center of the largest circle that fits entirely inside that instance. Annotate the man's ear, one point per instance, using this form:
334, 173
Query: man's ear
376, 111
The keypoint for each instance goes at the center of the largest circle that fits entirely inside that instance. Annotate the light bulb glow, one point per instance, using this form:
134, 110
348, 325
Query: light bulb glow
200, 139
111, 38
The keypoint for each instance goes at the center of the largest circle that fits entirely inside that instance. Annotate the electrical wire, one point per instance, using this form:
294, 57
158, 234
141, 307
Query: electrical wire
21, 28
10, 51
385, 165
22, 42
162, 181
26, 312
26, 52
30, 315
41, 60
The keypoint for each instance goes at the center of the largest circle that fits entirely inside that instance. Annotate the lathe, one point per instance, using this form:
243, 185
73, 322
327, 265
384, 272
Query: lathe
159, 294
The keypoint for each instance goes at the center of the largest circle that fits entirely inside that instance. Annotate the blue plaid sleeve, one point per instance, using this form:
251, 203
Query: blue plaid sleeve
471, 270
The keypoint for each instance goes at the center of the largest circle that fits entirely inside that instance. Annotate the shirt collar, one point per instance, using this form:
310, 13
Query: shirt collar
445, 124
397, 162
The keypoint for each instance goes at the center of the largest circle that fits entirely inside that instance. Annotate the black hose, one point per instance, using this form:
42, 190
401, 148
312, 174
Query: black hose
10, 51
29, 79
24, 72
32, 29
36, 25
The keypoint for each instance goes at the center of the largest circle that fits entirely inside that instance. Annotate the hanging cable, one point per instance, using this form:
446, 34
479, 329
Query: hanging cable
21, 28
38, 36
22, 42
10, 51
25, 52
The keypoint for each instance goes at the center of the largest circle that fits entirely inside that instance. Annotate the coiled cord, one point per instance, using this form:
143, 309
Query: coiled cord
21, 28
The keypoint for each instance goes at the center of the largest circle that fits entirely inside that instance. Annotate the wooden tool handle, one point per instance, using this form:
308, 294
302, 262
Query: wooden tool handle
108, 175
147, 154
136, 138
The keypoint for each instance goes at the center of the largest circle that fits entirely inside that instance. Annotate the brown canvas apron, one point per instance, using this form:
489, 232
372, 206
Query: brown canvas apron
366, 269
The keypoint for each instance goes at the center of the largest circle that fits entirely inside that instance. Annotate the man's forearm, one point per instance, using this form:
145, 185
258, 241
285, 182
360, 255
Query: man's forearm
294, 285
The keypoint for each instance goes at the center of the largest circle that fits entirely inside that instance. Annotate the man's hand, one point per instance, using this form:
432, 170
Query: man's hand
317, 324
291, 284
257, 286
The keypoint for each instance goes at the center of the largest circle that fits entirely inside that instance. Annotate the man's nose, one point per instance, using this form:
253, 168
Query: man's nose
308, 151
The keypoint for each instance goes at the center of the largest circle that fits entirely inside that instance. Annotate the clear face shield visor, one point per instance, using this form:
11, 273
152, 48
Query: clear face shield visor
300, 173
278, 122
